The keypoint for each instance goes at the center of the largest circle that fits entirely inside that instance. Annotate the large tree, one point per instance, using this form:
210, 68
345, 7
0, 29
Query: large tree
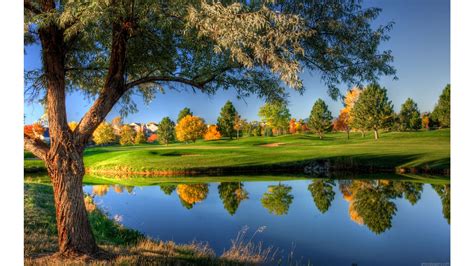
275, 115
165, 131
409, 117
373, 110
320, 118
113, 49
442, 111
226, 119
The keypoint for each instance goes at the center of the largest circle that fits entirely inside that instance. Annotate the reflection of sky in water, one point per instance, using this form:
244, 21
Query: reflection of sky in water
419, 232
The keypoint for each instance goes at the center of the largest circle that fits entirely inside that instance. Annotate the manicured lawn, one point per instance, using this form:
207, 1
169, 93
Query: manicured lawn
423, 149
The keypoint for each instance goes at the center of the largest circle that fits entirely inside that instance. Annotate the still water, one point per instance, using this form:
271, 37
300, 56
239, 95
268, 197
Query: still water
326, 222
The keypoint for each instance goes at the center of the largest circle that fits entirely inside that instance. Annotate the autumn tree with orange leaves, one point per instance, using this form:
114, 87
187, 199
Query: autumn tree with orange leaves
212, 133
190, 128
345, 118
34, 131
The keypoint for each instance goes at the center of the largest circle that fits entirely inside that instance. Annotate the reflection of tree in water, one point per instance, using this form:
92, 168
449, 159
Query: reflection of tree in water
411, 191
277, 199
444, 192
118, 189
167, 189
231, 194
323, 194
100, 190
369, 203
190, 194
374, 207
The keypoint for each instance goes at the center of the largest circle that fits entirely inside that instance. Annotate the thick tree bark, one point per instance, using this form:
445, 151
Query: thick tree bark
376, 133
63, 158
66, 169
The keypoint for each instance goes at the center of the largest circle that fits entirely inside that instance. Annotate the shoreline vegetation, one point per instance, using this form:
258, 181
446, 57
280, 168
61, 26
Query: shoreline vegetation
121, 245
421, 152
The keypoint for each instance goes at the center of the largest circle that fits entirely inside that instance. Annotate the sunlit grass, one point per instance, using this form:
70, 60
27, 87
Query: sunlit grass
423, 149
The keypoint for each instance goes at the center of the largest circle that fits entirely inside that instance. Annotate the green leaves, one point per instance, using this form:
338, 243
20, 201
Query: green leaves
226, 120
442, 111
320, 119
410, 117
373, 110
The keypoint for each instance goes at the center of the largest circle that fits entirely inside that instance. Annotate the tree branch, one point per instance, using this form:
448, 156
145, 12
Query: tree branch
113, 89
37, 147
195, 81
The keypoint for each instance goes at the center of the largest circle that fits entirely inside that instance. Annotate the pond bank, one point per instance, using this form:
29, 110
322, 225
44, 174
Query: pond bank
127, 247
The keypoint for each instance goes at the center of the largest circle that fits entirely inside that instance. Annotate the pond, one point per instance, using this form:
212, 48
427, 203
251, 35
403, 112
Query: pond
324, 221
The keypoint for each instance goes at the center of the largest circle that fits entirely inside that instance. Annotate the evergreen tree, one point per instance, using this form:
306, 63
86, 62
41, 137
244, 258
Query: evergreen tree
320, 119
165, 131
226, 120
373, 110
442, 111
409, 117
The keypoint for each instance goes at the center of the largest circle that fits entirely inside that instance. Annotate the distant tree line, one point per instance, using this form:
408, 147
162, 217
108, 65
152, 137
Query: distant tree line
365, 110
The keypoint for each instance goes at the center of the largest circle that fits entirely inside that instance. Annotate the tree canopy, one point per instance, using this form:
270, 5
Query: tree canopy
442, 111
165, 131
226, 119
320, 118
373, 110
409, 117
275, 115
183, 113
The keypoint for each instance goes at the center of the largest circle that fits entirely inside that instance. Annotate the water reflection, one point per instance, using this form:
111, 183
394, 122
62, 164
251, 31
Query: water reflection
370, 202
232, 194
102, 190
277, 199
190, 194
444, 192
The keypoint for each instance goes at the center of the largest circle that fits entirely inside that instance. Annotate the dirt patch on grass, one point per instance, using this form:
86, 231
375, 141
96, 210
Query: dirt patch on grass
277, 144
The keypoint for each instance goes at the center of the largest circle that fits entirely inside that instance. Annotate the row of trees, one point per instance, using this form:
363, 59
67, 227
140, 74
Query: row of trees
371, 202
364, 110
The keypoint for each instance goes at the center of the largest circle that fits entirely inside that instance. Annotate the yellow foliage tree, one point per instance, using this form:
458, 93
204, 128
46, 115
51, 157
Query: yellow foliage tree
140, 137
103, 134
190, 128
127, 135
192, 193
212, 133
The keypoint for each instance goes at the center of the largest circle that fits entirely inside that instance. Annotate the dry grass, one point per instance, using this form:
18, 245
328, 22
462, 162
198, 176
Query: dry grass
246, 251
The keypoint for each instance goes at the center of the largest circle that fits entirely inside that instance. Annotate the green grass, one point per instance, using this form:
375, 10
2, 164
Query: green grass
423, 149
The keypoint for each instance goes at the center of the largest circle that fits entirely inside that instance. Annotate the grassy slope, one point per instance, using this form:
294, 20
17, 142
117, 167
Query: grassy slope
129, 246
394, 149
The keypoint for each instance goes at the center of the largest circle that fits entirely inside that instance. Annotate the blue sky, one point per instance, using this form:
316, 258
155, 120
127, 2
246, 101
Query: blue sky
420, 42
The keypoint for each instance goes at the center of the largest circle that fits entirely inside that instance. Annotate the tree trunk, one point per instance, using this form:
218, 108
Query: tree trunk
348, 132
376, 133
66, 169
